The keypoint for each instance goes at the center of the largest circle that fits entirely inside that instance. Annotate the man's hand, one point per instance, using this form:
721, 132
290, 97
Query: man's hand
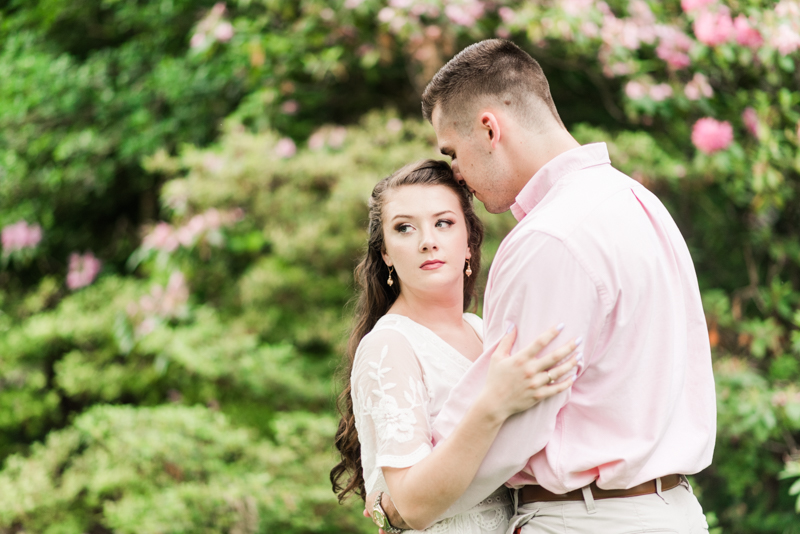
388, 507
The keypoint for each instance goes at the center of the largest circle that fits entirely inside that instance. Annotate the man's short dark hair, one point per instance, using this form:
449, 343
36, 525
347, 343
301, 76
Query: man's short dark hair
494, 69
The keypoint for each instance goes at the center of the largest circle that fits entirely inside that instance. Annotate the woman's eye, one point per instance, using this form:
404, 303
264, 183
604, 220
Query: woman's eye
444, 223
404, 228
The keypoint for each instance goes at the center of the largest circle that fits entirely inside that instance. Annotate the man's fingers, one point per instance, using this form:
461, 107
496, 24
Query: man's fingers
504, 348
541, 342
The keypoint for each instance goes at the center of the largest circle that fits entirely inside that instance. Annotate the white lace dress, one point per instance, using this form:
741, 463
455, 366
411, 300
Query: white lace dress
402, 375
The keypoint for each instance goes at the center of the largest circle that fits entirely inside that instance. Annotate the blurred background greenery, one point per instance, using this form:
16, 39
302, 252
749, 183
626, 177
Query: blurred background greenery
183, 191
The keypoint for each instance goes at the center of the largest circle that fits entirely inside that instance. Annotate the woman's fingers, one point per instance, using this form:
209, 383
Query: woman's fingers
504, 348
553, 358
544, 392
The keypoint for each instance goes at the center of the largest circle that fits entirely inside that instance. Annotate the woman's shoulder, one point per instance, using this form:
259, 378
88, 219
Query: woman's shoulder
390, 331
475, 322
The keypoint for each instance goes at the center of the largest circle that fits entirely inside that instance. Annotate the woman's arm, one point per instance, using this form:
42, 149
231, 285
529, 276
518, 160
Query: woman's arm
422, 492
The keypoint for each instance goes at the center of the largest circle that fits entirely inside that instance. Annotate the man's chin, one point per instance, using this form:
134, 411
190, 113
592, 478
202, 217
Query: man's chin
491, 207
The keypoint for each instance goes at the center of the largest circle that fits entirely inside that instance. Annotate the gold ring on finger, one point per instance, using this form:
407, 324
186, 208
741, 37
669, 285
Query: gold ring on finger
550, 377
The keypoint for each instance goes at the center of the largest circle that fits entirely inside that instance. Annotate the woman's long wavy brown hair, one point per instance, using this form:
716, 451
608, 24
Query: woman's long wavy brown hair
375, 297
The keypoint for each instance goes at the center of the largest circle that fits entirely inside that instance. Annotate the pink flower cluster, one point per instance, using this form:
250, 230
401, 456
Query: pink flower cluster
83, 269
19, 236
161, 303
751, 122
212, 28
710, 135
167, 238
465, 13
636, 90
714, 26
285, 148
698, 88
332, 137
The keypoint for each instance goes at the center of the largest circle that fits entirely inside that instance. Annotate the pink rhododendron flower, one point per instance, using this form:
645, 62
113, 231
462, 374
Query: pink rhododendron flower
394, 125
710, 135
660, 92
161, 237
673, 47
576, 7
198, 40
401, 4
746, 35
290, 107
285, 148
714, 28
506, 14
83, 269
750, 119
386, 14
337, 137
786, 40
635, 90
589, 29
352, 4
691, 5
458, 15
698, 87
223, 32
316, 141
19, 236
787, 8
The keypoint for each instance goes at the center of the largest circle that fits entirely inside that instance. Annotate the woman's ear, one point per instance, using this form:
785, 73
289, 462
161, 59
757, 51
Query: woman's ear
387, 259
469, 253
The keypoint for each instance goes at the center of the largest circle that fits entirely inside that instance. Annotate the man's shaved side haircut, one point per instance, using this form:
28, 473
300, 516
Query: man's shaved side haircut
491, 71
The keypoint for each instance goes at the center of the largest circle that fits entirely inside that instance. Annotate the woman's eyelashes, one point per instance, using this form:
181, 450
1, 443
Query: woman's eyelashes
405, 228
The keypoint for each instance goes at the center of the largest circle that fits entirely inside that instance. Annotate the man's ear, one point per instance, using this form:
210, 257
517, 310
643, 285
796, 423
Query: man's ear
491, 127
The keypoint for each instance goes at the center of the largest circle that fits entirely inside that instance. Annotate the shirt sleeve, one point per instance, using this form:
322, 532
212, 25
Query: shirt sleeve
536, 282
390, 401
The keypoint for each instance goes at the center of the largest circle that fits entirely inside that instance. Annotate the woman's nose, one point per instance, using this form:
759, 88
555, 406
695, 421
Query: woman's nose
427, 243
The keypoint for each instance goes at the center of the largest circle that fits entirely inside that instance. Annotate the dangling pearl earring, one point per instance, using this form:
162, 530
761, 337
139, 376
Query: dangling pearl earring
468, 272
390, 281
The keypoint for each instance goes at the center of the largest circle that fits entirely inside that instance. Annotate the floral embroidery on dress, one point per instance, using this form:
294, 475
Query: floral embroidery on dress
392, 421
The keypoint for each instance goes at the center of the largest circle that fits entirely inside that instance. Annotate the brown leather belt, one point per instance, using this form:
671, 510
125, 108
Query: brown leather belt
533, 493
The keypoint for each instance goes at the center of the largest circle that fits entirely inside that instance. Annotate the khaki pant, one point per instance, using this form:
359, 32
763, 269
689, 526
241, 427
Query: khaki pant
673, 511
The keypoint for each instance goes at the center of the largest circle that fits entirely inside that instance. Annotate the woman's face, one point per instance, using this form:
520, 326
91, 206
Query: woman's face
425, 235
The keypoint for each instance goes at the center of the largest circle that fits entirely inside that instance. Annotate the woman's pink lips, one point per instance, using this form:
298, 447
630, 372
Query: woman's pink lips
431, 264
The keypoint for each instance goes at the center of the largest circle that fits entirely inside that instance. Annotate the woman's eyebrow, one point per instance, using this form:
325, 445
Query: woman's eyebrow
443, 212
402, 217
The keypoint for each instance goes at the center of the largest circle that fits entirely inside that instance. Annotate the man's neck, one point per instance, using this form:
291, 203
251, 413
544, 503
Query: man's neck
538, 149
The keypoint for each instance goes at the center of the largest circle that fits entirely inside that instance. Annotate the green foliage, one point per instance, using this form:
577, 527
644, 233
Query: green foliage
173, 469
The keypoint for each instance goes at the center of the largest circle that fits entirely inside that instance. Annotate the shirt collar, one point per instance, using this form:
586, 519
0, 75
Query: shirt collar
565, 163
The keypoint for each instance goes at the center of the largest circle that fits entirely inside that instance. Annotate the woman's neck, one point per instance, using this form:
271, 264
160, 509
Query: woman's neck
430, 310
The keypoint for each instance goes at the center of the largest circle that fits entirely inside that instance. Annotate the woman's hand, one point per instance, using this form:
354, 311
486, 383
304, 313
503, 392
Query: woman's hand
519, 381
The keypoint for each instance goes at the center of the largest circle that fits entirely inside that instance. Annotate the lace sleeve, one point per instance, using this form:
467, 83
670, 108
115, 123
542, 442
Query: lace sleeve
390, 401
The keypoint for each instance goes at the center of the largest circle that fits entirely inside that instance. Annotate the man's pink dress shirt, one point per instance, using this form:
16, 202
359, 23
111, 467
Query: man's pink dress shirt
597, 251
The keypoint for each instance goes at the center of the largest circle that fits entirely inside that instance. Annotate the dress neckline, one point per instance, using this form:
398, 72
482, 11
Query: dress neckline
437, 337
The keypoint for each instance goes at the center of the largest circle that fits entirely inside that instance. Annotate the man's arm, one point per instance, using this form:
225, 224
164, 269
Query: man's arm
536, 281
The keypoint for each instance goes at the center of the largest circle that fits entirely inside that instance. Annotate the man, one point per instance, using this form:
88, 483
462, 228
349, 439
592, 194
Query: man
596, 250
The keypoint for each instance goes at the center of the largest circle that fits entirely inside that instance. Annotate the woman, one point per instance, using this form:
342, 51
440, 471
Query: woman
412, 342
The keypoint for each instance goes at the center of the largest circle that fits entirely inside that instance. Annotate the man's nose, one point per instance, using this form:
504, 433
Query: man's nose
457, 173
